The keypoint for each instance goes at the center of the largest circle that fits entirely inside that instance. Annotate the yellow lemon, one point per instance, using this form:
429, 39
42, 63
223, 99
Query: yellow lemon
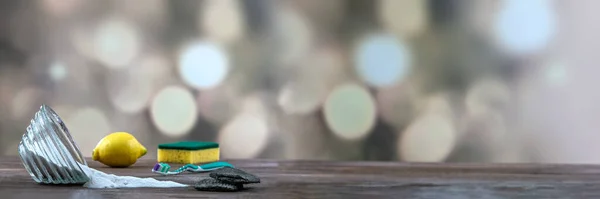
119, 149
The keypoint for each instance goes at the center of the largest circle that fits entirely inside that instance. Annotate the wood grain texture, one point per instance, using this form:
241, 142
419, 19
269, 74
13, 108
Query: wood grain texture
322, 179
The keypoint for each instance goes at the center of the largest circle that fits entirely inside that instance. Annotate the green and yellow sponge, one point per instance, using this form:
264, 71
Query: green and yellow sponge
188, 152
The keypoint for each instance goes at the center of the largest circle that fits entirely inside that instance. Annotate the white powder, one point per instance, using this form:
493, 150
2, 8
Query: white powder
100, 180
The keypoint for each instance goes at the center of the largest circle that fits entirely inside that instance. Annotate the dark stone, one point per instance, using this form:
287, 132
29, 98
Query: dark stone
233, 176
209, 184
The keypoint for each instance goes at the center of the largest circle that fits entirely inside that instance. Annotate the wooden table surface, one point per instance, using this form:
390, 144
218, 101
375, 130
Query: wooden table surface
322, 179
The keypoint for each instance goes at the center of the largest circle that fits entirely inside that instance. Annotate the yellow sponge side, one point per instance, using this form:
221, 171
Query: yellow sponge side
188, 156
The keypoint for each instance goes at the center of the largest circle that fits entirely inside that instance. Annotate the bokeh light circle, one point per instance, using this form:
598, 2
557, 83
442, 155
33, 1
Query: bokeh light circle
435, 103
222, 20
116, 42
295, 34
525, 26
301, 98
382, 60
129, 92
203, 64
131, 89
312, 80
350, 111
245, 136
557, 73
430, 138
406, 17
219, 105
174, 111
57, 71
88, 125
395, 104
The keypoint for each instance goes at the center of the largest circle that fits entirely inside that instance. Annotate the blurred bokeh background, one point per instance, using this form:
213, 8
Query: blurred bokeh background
385, 80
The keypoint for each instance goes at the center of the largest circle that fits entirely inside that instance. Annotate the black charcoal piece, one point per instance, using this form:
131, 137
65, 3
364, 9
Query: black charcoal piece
209, 184
233, 176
